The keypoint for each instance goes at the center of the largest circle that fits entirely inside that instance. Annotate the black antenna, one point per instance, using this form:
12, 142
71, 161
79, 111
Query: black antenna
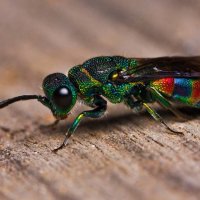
19, 98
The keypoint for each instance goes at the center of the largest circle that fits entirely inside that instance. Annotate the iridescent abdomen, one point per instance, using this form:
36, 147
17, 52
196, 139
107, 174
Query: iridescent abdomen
181, 89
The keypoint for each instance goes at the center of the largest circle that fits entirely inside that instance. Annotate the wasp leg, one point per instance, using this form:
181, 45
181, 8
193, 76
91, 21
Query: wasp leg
101, 106
157, 117
166, 104
136, 105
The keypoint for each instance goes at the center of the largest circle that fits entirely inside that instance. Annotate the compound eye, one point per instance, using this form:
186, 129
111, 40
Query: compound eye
62, 97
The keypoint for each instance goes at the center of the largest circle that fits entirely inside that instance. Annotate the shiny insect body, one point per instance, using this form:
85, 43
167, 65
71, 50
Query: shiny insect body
134, 81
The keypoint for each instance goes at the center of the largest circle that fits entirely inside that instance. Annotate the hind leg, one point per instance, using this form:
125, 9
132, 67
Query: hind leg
158, 118
138, 104
166, 104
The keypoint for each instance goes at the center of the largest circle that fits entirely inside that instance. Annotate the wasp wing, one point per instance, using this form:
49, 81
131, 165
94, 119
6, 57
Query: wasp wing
162, 67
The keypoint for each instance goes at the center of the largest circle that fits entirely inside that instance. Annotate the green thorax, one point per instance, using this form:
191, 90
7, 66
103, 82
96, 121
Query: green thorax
93, 78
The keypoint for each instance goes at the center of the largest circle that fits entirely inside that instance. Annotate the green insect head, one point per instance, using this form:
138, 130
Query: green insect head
60, 94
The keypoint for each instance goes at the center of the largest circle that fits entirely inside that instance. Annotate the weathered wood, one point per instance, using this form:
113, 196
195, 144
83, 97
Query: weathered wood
121, 156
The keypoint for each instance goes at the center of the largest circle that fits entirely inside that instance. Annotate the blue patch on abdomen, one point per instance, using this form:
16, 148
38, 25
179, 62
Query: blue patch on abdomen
182, 87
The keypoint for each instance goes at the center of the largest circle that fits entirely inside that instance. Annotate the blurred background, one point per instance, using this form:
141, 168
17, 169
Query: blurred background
38, 37
49, 35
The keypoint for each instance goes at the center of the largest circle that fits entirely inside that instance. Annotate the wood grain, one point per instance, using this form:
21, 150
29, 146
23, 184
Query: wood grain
121, 156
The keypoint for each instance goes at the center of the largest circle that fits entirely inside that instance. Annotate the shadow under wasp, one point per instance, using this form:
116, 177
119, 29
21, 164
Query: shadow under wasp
136, 82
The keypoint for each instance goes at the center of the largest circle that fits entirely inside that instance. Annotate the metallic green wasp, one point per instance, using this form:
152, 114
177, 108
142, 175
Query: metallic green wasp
133, 81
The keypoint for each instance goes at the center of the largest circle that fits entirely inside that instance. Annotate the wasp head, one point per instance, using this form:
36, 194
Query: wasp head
60, 93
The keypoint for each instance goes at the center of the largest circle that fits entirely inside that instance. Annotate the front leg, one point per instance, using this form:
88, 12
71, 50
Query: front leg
101, 106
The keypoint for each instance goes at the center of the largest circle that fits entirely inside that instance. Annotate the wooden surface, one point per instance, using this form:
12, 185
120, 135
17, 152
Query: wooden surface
122, 156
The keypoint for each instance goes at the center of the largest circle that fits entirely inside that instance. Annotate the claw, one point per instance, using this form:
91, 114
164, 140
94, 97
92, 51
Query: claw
59, 148
63, 144
174, 132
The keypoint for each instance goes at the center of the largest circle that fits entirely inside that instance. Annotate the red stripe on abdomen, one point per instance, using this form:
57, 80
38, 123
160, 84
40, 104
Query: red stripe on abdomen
195, 90
164, 85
